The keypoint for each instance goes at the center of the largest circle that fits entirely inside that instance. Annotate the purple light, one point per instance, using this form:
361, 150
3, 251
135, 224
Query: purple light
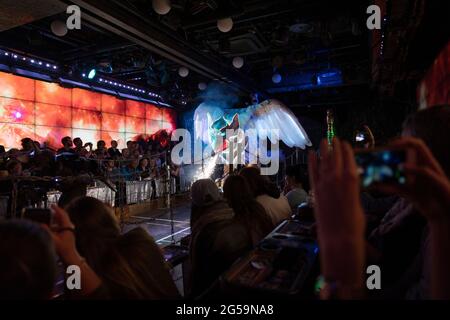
18, 115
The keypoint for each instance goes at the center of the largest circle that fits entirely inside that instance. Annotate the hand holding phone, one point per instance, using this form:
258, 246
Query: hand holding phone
427, 184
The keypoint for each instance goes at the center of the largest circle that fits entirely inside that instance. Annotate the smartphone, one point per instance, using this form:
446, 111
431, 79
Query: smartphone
381, 166
38, 215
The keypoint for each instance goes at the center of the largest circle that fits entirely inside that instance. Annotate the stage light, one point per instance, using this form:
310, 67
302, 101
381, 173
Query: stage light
238, 62
202, 86
161, 7
59, 28
276, 78
47, 65
183, 72
15, 56
83, 75
55, 67
32, 61
6, 54
17, 115
225, 25
92, 73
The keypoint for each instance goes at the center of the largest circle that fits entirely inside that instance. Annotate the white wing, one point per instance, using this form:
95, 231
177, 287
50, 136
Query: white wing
272, 114
204, 116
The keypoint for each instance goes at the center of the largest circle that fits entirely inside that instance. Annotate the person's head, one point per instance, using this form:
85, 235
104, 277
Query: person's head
204, 192
14, 168
237, 191
78, 142
432, 126
296, 177
67, 142
111, 164
101, 145
126, 153
130, 145
28, 261
240, 198
27, 144
114, 144
96, 228
135, 153
2, 149
152, 162
134, 163
259, 184
143, 163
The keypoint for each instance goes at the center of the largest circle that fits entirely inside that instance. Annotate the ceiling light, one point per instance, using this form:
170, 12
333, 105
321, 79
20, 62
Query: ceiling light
225, 25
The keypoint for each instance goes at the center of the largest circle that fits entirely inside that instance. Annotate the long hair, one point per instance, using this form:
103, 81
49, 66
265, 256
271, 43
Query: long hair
258, 183
125, 263
247, 209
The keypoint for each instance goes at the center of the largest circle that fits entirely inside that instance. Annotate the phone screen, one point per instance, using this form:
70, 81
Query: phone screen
38, 215
381, 166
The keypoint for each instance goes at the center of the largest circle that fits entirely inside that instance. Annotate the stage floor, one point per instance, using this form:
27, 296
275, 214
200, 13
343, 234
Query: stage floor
158, 224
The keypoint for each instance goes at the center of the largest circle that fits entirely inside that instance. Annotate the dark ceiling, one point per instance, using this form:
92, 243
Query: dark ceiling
127, 40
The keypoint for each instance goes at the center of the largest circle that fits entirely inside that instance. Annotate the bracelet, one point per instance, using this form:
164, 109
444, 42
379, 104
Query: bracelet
333, 290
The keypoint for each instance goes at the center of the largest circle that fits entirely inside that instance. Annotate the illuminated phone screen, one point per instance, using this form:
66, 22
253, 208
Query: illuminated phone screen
384, 166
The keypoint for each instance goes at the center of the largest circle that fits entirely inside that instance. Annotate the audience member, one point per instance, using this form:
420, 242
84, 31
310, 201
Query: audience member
28, 261
247, 210
267, 194
144, 168
130, 171
101, 152
80, 149
131, 266
113, 152
217, 239
396, 242
294, 188
67, 146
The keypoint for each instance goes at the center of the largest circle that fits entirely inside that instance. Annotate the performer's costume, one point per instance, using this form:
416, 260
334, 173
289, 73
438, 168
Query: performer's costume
211, 122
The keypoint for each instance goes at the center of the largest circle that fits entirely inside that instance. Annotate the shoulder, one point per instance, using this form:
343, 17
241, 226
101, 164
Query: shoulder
138, 236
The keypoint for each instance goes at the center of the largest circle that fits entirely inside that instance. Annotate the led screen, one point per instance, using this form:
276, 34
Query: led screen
47, 112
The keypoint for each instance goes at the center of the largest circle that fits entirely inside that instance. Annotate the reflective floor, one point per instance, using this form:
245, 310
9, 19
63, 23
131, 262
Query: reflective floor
159, 224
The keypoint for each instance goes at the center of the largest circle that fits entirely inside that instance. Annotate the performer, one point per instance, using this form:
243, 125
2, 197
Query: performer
212, 122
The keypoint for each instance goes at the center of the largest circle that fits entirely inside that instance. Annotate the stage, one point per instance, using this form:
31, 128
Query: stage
156, 220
